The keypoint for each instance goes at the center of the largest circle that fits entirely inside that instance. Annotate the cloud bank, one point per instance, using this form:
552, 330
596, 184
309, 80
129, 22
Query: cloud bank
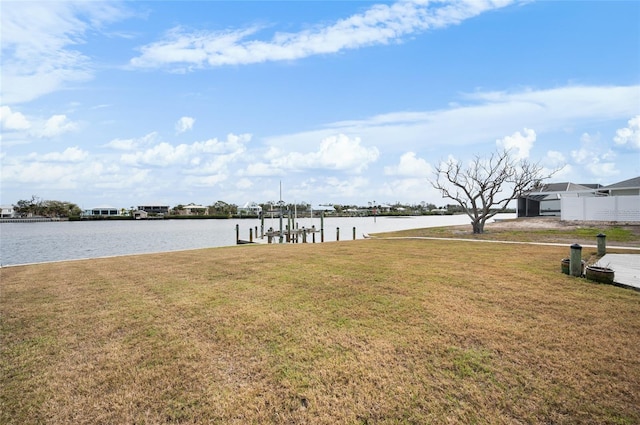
380, 24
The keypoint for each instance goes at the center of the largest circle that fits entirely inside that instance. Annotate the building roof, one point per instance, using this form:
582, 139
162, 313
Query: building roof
632, 183
104, 207
592, 185
323, 208
561, 187
252, 205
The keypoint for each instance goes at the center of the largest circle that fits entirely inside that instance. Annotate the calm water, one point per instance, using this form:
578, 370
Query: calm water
25, 243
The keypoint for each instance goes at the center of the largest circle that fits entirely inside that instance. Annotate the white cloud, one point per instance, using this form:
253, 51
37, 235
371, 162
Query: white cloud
555, 164
132, 144
57, 125
261, 169
244, 184
62, 176
73, 154
554, 158
184, 124
410, 165
24, 128
520, 145
37, 40
215, 164
629, 135
409, 190
205, 181
380, 24
56, 170
165, 154
118, 179
342, 188
338, 152
13, 120
591, 156
335, 152
162, 154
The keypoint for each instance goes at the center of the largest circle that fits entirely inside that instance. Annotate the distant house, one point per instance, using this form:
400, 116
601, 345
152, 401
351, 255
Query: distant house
325, 209
356, 212
7, 211
250, 208
139, 215
384, 208
154, 209
193, 209
104, 211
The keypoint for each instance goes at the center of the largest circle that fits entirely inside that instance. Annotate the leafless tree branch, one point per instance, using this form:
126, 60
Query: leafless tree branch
486, 186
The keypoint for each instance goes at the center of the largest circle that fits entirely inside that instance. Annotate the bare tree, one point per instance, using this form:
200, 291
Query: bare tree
485, 187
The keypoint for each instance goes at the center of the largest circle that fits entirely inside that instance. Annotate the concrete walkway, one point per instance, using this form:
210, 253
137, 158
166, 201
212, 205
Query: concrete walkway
625, 266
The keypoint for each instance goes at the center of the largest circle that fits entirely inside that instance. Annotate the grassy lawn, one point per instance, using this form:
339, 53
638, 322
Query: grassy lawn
362, 332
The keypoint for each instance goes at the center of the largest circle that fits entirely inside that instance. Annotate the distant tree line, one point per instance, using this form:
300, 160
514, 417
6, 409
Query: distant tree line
36, 207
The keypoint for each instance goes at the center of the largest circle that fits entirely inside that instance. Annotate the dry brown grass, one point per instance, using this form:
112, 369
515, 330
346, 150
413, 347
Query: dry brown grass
376, 331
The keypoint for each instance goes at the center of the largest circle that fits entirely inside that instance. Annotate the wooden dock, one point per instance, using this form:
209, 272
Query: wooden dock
300, 235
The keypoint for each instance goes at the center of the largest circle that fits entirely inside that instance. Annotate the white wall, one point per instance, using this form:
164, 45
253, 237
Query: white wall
606, 208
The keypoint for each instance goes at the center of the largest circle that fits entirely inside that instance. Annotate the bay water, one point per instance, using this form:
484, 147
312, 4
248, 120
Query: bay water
27, 243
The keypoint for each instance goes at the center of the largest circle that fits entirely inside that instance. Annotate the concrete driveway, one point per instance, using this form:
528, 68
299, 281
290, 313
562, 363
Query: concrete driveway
625, 266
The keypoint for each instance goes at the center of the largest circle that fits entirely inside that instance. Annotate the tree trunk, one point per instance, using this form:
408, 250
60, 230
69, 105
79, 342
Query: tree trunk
478, 226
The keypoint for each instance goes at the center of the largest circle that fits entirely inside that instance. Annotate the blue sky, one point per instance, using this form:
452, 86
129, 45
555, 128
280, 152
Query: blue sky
173, 102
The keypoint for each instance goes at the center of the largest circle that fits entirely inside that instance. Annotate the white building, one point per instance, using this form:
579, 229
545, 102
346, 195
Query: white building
587, 202
102, 211
250, 208
545, 201
193, 209
7, 211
